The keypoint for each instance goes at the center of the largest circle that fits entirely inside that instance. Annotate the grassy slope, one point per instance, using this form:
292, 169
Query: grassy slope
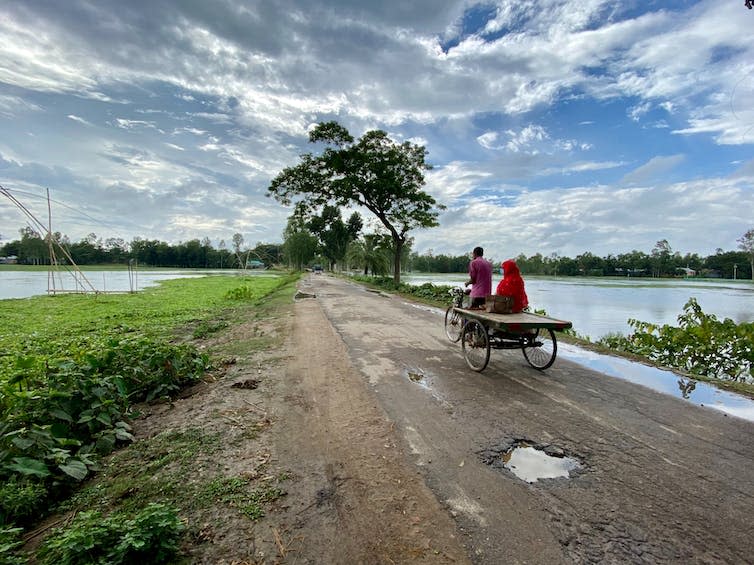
180, 310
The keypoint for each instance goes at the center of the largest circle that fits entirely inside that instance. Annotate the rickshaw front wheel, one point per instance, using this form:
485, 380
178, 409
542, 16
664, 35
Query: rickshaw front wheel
476, 345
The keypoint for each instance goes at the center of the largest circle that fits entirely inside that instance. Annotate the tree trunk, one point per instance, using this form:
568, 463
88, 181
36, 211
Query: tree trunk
397, 261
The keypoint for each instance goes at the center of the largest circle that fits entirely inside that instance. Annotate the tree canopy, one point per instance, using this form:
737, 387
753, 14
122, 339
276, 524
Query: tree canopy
375, 172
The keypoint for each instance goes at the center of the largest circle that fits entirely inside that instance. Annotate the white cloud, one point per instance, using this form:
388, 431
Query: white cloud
655, 167
78, 119
238, 86
599, 219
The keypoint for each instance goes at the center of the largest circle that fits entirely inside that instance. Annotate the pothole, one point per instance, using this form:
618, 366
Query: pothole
418, 377
250, 384
530, 461
415, 377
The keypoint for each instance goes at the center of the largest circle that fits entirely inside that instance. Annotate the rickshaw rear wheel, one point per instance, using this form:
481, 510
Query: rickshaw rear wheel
541, 349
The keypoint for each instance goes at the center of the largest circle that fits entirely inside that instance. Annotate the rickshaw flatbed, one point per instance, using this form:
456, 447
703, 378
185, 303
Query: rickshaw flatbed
514, 322
480, 331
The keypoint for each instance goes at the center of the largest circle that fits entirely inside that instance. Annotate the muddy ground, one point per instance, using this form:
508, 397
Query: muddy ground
387, 447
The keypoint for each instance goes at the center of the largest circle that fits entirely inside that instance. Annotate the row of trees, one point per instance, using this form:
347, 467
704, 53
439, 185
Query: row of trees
34, 249
325, 238
662, 261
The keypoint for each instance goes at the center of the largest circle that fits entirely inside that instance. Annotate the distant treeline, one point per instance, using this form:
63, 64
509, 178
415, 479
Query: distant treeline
662, 261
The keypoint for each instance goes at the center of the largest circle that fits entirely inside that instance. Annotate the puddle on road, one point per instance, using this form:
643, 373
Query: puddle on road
418, 377
530, 461
530, 464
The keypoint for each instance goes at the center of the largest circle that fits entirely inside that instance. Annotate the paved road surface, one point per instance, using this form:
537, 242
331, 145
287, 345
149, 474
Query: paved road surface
661, 480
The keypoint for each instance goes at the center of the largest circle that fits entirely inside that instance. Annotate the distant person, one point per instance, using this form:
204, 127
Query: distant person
513, 285
480, 278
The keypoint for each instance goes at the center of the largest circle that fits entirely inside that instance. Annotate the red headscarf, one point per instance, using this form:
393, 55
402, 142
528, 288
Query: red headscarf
513, 285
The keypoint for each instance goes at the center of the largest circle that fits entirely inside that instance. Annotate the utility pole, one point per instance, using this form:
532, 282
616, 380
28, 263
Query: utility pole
735, 268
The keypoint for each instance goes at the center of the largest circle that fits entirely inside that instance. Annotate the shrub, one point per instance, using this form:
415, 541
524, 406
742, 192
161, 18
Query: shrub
151, 537
10, 542
700, 344
54, 424
21, 500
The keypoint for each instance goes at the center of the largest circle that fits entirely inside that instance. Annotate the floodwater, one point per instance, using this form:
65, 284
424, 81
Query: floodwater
667, 382
23, 284
598, 306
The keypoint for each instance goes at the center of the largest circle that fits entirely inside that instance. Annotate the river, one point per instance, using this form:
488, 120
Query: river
24, 284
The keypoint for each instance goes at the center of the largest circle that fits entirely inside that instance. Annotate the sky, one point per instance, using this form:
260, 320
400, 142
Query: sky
553, 126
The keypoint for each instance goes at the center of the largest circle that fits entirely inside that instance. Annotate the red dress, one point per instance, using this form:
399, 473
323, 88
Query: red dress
513, 285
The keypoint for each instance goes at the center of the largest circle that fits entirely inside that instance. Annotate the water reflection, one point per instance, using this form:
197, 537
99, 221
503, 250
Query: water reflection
686, 386
697, 392
530, 464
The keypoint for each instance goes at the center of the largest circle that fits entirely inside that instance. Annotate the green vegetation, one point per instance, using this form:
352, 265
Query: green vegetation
437, 295
162, 468
71, 370
237, 492
150, 536
700, 344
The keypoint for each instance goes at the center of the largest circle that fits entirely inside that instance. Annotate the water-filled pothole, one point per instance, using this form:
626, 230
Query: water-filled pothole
530, 461
417, 376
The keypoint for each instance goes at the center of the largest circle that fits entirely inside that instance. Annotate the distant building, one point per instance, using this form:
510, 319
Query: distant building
9, 260
630, 272
686, 271
255, 264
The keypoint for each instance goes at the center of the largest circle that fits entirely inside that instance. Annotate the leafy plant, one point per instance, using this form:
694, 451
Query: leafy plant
72, 367
150, 537
10, 543
21, 499
700, 344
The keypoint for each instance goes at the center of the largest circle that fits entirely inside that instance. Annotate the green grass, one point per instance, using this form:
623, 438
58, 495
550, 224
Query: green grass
65, 336
154, 311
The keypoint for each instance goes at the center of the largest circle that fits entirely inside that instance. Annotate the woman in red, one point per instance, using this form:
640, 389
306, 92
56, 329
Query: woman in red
513, 285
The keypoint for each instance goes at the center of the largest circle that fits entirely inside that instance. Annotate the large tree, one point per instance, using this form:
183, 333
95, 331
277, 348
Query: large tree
746, 244
375, 172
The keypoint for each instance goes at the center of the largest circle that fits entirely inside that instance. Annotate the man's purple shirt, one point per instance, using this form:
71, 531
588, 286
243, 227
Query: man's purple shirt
480, 272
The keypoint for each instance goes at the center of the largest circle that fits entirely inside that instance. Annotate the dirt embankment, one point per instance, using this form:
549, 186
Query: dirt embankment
289, 424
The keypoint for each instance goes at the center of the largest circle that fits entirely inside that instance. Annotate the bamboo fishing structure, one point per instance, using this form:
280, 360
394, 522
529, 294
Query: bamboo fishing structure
82, 285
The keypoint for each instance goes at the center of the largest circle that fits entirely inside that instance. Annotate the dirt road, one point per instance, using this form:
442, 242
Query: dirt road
392, 437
